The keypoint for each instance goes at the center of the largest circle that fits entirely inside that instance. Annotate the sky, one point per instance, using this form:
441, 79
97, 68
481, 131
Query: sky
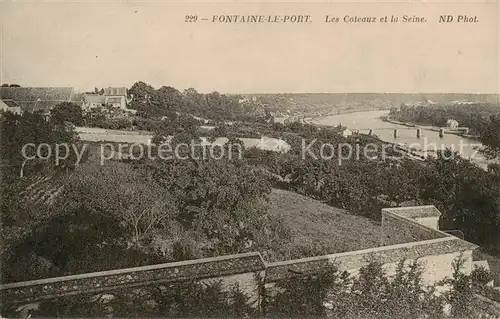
116, 43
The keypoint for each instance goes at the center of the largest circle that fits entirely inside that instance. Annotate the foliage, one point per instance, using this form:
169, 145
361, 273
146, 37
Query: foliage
130, 196
490, 136
151, 102
67, 112
18, 131
372, 294
221, 199
480, 276
57, 243
29, 132
305, 296
460, 296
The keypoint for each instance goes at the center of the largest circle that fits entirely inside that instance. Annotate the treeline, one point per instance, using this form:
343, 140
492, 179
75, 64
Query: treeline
151, 102
136, 123
330, 293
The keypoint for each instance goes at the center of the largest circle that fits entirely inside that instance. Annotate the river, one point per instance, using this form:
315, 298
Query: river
429, 139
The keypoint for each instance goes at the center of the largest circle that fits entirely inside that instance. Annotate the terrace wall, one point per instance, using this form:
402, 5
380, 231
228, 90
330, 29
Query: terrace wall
241, 268
436, 254
397, 229
402, 238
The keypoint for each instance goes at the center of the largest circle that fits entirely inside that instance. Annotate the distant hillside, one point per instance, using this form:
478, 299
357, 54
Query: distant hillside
325, 102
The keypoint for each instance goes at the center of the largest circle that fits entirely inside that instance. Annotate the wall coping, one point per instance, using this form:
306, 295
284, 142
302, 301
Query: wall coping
356, 252
416, 224
412, 212
125, 271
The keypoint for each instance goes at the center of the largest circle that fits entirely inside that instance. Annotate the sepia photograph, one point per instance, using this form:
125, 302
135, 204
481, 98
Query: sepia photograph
249, 159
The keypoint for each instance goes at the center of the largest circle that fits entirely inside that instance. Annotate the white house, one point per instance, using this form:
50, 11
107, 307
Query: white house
452, 124
112, 97
91, 101
346, 132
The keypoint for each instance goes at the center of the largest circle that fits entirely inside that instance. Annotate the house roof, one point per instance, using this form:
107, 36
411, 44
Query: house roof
38, 106
77, 97
33, 99
94, 98
10, 103
32, 94
3, 106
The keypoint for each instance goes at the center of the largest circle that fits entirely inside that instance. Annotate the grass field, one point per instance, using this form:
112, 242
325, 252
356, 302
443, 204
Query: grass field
320, 228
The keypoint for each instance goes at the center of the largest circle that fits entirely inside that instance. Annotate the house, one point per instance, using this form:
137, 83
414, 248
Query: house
116, 97
452, 124
346, 132
92, 101
112, 97
268, 144
10, 106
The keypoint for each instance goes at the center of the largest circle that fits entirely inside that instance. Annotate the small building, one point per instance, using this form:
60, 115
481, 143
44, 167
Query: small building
116, 97
452, 124
10, 106
346, 132
92, 101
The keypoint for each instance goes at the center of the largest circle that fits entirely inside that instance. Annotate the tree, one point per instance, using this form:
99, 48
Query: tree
67, 112
225, 201
130, 195
18, 131
461, 295
309, 295
490, 136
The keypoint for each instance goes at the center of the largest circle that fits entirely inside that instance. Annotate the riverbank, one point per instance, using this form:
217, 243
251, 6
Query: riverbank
308, 119
346, 111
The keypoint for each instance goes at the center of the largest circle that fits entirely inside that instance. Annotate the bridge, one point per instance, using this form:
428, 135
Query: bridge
418, 130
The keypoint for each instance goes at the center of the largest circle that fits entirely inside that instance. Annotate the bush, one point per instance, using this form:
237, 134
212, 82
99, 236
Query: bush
481, 276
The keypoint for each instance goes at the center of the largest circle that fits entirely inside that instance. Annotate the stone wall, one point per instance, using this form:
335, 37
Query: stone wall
232, 267
436, 254
402, 238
